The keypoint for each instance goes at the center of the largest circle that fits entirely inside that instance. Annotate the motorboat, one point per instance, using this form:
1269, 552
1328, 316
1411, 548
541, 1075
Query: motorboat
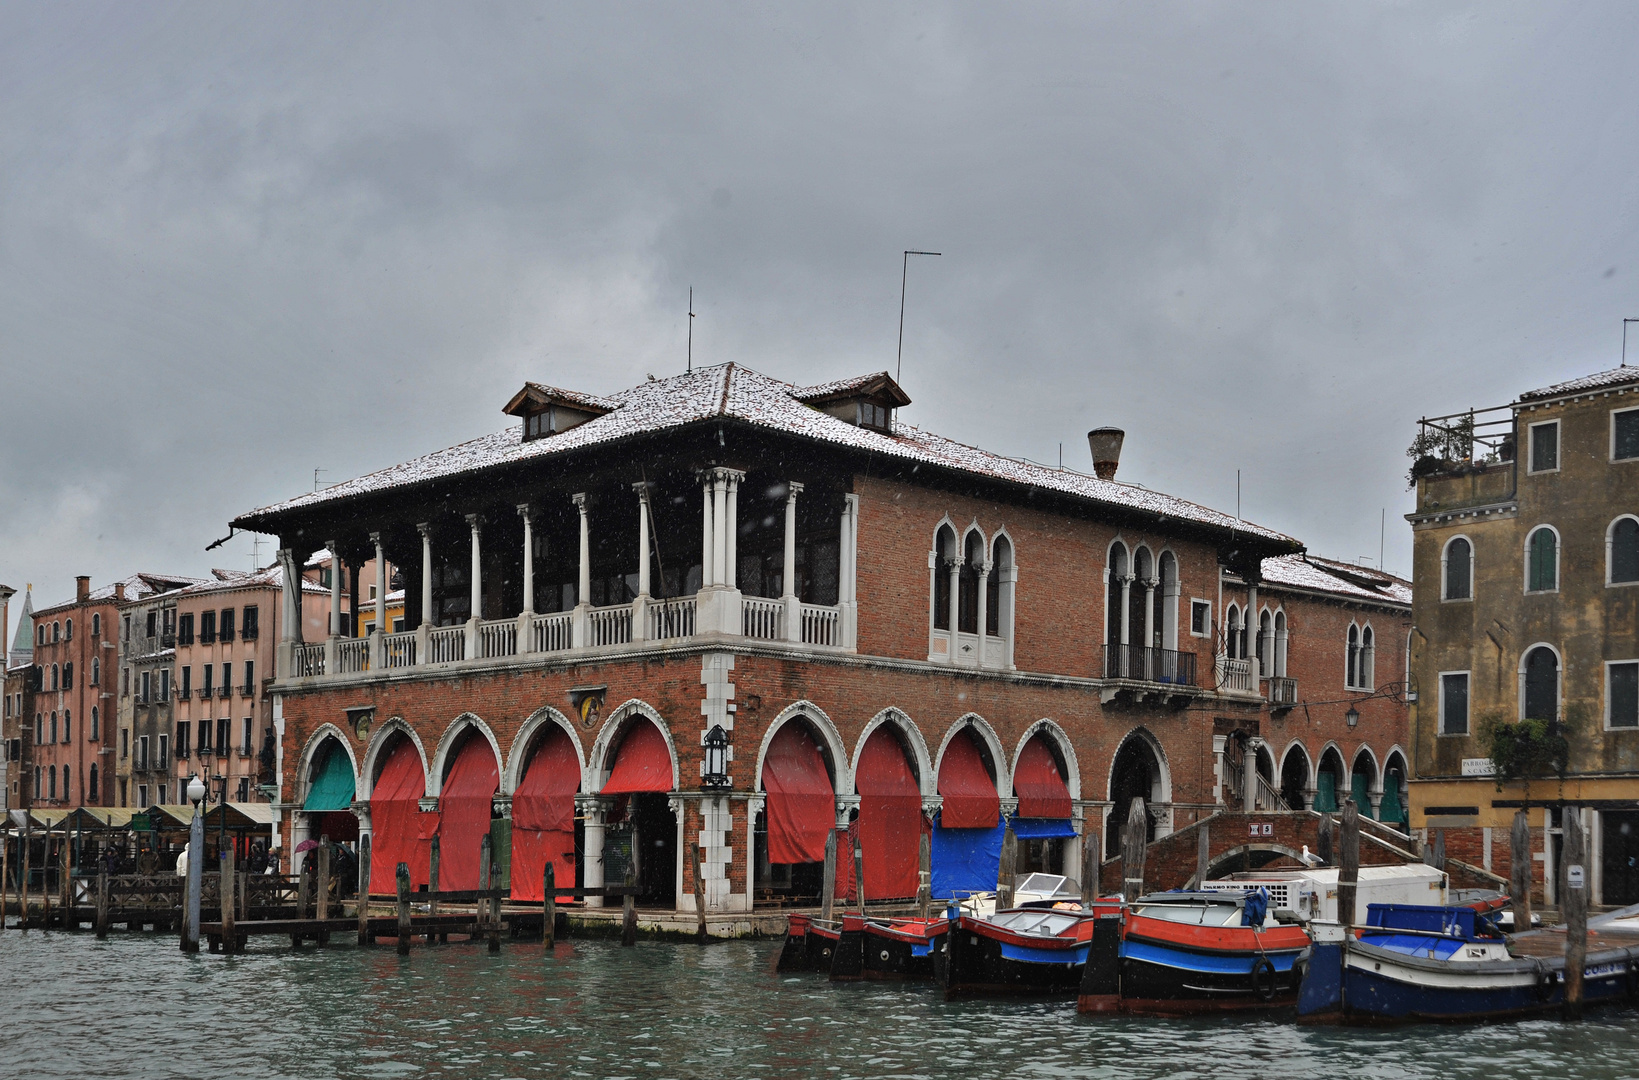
1036, 948
887, 949
810, 944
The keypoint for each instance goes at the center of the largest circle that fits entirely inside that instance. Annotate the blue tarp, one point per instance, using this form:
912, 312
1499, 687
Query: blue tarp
1042, 828
965, 860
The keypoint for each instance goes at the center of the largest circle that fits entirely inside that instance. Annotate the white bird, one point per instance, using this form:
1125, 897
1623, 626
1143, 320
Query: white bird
1308, 859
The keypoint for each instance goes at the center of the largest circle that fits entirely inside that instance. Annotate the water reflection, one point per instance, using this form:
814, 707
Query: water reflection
133, 1006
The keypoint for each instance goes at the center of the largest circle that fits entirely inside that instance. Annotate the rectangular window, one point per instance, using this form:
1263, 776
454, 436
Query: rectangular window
250, 630
1622, 694
1625, 435
398, 625
227, 679
187, 683
1200, 618
164, 792
368, 627
207, 627
145, 684
165, 684
225, 625
1545, 446
184, 630
222, 735
205, 671
163, 761
184, 739
250, 678
244, 745
204, 736
1453, 703
142, 796
142, 752
125, 743
153, 623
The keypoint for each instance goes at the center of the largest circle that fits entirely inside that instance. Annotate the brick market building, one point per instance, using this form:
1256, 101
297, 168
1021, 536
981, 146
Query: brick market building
722, 611
1526, 562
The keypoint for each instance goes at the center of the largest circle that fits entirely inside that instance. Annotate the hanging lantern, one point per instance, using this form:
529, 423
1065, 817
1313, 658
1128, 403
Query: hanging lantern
1352, 716
716, 772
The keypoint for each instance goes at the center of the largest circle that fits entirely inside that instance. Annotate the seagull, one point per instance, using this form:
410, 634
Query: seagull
1308, 859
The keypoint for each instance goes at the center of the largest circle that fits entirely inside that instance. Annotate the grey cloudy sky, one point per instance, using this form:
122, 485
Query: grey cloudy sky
238, 243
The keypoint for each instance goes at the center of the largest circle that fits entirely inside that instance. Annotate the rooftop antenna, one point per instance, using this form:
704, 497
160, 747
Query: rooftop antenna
1237, 494
1382, 531
1624, 340
691, 327
904, 267
255, 554
316, 473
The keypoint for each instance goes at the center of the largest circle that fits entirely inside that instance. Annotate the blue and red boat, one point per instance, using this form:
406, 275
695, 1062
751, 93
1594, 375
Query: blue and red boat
810, 945
887, 949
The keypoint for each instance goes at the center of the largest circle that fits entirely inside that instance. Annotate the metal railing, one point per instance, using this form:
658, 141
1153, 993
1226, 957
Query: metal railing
1144, 664
671, 619
821, 625
446, 644
1234, 674
552, 633
400, 649
498, 637
352, 655
762, 618
609, 625
309, 661
1283, 692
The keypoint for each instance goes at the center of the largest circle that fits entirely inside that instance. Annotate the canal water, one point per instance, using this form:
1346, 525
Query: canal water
134, 1006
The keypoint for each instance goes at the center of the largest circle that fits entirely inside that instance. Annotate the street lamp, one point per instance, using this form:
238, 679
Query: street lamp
196, 866
1352, 717
196, 790
716, 771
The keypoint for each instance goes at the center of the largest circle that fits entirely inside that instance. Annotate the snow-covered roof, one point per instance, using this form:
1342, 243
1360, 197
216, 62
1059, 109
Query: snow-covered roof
1598, 381
731, 391
138, 586
269, 577
1315, 574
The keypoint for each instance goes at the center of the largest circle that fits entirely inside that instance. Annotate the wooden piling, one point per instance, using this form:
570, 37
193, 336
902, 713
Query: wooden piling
1519, 870
227, 900
28, 855
363, 906
1090, 864
628, 913
65, 885
322, 899
700, 933
489, 908
1348, 866
432, 887
1575, 908
403, 910
5, 876
828, 883
102, 905
924, 874
549, 907
1323, 841
1437, 856
1203, 854
859, 875
1005, 868
45, 892
1135, 838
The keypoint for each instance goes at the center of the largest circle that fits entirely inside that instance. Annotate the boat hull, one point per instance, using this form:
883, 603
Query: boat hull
1155, 967
895, 952
985, 960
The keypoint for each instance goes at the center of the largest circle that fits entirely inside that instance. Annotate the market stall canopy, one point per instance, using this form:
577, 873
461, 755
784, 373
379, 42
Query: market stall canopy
240, 817
643, 762
332, 787
968, 794
802, 805
1037, 783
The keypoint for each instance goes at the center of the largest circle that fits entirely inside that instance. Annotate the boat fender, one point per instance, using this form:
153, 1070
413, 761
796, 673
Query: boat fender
1546, 981
1264, 978
1300, 967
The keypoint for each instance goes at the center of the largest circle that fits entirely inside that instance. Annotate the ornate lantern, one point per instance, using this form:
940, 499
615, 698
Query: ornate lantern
716, 772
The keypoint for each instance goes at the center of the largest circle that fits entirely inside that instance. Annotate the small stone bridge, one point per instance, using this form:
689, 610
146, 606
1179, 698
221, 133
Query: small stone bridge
1273, 839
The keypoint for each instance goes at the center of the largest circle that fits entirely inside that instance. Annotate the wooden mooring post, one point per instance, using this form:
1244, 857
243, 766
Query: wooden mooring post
433, 860
5, 876
403, 910
828, 883
227, 900
1203, 854
549, 907
489, 908
1135, 836
699, 894
322, 900
1519, 870
304, 895
1575, 908
628, 913
859, 874
28, 854
1090, 864
45, 889
1348, 864
363, 906
1323, 841
65, 885
102, 905
1004, 869
924, 877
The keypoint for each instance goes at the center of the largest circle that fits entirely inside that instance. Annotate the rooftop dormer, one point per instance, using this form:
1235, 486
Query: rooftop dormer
547, 410
866, 401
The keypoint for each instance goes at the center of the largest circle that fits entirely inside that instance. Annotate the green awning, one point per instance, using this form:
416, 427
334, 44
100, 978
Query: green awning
1360, 790
332, 787
1326, 793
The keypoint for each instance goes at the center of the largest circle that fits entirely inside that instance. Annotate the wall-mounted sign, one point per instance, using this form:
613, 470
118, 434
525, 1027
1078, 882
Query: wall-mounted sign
1262, 828
1575, 878
1479, 766
587, 701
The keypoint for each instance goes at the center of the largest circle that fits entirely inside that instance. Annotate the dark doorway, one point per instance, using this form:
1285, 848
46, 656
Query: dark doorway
1132, 777
1619, 856
1542, 684
654, 843
1294, 780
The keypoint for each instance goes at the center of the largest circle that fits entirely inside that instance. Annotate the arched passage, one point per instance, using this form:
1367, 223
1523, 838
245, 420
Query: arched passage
889, 827
1294, 777
1362, 779
399, 831
1137, 772
1042, 823
642, 827
1392, 810
543, 813
330, 791
471, 777
1329, 781
800, 810
967, 842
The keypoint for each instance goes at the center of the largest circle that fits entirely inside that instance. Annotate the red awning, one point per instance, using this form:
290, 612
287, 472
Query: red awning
801, 801
466, 804
543, 816
890, 818
395, 820
1037, 783
642, 763
970, 800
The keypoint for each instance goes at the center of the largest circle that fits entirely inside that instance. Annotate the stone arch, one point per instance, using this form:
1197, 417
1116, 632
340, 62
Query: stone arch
518, 756
988, 737
1389, 758
451, 738
926, 780
1365, 751
310, 749
1118, 781
1061, 740
1143, 734
380, 738
616, 723
1250, 856
830, 738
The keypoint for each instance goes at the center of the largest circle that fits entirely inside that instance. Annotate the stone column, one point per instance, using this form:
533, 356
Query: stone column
1249, 776
954, 572
332, 644
731, 529
720, 529
592, 808
290, 615
640, 606
1010, 580
1126, 612
793, 606
581, 626
983, 614
708, 571
378, 644
423, 633
754, 806
526, 617
1250, 624
1219, 743
477, 595
1149, 629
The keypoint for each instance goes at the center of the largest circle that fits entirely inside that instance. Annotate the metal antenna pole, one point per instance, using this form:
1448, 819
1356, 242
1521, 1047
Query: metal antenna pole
691, 327
904, 267
1624, 338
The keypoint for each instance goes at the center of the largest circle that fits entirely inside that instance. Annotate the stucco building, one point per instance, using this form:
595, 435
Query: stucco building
1527, 608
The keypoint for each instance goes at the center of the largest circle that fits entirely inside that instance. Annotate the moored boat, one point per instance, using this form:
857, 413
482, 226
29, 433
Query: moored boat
898, 949
809, 945
1037, 952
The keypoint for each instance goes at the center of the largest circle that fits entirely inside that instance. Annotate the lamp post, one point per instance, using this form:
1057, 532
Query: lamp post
1352, 717
196, 866
716, 770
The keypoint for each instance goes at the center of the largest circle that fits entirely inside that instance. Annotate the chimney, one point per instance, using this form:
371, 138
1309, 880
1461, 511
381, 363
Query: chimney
1105, 443
119, 592
82, 588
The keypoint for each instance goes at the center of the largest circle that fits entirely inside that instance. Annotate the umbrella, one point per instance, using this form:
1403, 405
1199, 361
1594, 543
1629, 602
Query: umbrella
306, 845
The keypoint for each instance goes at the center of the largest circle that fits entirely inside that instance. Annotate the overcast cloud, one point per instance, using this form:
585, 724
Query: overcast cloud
238, 244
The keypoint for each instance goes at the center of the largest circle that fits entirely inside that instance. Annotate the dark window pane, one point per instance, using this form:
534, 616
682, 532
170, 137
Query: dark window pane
1544, 447
1627, 434
1458, 570
1454, 704
1542, 685
1624, 701
1625, 549
1544, 571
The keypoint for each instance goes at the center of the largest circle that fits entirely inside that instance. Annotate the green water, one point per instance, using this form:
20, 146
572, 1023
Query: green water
133, 1006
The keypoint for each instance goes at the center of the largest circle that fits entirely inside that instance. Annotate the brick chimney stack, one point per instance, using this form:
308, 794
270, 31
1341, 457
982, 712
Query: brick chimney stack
119, 592
82, 588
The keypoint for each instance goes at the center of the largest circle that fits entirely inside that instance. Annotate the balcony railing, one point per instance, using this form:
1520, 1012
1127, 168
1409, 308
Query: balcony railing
552, 633
1283, 692
225, 690
446, 644
353, 655
821, 625
609, 625
400, 649
1234, 674
498, 637
762, 618
670, 619
1143, 664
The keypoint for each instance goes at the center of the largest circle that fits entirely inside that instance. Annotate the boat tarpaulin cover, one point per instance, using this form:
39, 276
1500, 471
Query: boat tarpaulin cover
801, 801
465, 805
890, 818
395, 820
1037, 783
643, 762
1042, 828
543, 816
965, 860
969, 799
332, 787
